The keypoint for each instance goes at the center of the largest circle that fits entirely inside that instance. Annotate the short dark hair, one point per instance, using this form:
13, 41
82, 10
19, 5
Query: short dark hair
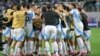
19, 6
79, 9
64, 7
24, 5
73, 4
49, 6
54, 7
13, 6
28, 6
44, 9
38, 7
67, 8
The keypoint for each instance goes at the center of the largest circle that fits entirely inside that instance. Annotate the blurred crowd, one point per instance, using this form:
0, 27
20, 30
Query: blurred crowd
89, 5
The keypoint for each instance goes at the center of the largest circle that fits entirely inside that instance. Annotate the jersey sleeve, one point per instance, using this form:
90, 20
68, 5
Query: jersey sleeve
33, 15
71, 12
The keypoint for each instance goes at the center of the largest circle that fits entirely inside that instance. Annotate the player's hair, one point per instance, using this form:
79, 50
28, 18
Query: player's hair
44, 9
24, 5
79, 9
48, 6
19, 6
64, 7
67, 8
73, 4
28, 6
38, 7
13, 6
54, 7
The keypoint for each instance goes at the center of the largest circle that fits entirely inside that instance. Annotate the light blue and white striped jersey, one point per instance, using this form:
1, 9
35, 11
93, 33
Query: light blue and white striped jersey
30, 16
76, 15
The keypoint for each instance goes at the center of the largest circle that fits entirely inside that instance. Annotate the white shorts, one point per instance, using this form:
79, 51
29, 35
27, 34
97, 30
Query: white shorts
29, 31
18, 34
58, 27
78, 28
49, 32
87, 34
7, 32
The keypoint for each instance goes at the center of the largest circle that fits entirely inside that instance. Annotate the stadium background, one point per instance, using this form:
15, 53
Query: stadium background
91, 6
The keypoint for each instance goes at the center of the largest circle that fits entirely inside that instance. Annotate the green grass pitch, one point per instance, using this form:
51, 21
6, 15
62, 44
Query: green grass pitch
95, 42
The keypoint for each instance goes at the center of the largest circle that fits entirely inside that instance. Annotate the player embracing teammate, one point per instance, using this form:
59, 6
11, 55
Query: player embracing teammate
46, 30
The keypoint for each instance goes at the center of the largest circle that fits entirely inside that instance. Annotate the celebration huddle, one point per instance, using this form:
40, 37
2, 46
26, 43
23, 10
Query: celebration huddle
46, 30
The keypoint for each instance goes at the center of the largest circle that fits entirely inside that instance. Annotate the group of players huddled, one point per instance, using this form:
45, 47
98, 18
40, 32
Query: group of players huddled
46, 30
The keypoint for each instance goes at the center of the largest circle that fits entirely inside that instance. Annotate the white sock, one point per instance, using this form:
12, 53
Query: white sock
88, 46
71, 49
47, 47
54, 47
60, 47
19, 50
26, 44
80, 43
6, 48
34, 47
28, 47
64, 48
39, 50
16, 49
12, 51
31, 46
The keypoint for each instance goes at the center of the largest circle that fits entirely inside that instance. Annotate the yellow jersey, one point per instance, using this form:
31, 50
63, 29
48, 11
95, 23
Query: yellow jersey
18, 19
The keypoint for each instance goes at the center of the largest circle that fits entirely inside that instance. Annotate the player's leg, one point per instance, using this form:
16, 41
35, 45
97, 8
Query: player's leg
61, 42
26, 41
19, 37
30, 43
66, 46
29, 40
87, 36
59, 39
7, 34
71, 40
53, 35
45, 33
39, 45
13, 44
79, 33
36, 42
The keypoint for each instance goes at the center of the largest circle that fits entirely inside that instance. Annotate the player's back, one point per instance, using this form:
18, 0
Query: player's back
76, 15
51, 17
18, 19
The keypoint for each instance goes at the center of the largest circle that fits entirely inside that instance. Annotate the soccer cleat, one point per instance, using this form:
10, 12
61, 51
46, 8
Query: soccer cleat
19, 54
89, 53
30, 54
82, 53
11, 54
